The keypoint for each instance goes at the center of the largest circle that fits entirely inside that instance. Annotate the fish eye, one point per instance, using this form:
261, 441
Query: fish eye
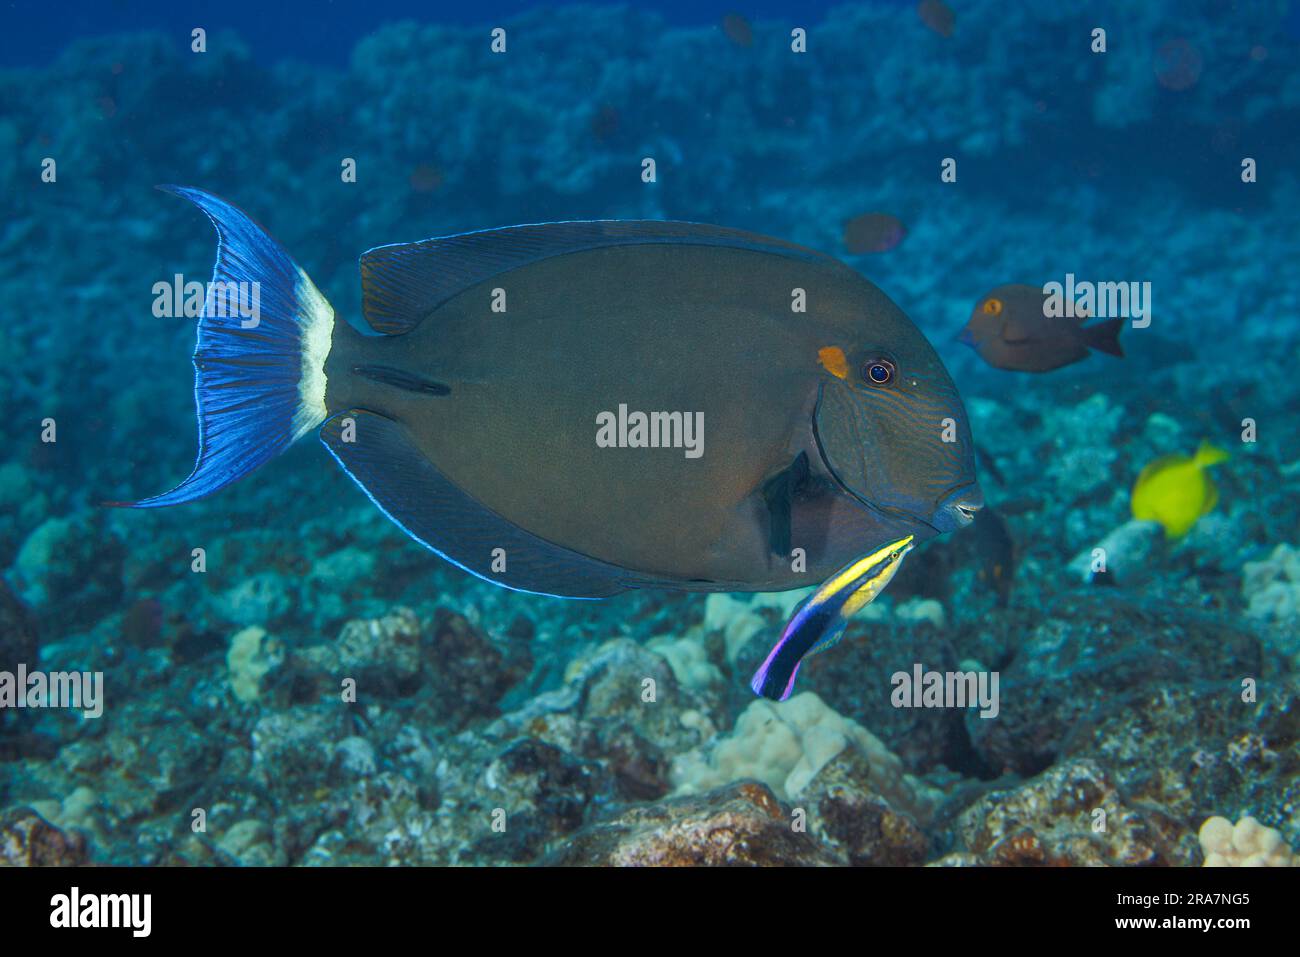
879, 371
993, 306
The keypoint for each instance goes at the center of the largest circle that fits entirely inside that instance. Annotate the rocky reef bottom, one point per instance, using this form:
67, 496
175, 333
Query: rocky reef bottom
410, 739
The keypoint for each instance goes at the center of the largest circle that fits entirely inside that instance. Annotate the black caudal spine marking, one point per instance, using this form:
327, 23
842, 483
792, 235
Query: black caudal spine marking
399, 379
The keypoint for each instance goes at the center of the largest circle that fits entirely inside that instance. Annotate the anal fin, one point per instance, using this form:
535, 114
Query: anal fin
409, 489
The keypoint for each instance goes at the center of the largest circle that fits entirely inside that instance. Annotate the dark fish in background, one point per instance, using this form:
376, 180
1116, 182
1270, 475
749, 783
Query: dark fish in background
986, 461
475, 429
738, 30
1020, 505
142, 624
19, 640
1163, 351
18, 745
873, 233
1009, 331
605, 122
426, 178
938, 16
1232, 403
996, 551
1178, 64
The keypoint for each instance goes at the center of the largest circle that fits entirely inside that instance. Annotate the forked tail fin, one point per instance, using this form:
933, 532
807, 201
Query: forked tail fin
1104, 336
259, 363
1208, 454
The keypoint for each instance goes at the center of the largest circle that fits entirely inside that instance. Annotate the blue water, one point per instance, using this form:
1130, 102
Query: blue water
1116, 166
320, 33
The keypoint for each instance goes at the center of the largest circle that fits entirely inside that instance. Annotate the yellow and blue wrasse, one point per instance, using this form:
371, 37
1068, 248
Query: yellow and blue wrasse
820, 621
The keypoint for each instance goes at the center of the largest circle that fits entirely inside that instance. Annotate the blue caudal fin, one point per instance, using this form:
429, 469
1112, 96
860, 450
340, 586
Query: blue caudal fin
259, 363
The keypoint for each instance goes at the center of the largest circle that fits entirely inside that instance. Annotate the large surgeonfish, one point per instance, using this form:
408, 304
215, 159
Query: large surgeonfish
576, 409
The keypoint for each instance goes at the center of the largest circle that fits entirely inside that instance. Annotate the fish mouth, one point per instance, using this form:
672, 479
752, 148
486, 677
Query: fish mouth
957, 509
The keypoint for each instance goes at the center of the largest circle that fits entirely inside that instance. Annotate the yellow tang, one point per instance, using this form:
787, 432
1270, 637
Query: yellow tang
1176, 490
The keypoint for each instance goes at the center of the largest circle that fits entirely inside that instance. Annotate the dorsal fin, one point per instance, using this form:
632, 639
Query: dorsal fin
403, 283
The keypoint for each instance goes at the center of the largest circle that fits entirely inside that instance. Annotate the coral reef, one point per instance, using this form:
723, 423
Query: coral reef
1073, 814
1271, 587
851, 814
1080, 660
742, 824
785, 745
28, 840
252, 655
1244, 844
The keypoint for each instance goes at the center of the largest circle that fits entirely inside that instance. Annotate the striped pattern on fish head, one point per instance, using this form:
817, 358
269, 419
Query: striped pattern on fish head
893, 431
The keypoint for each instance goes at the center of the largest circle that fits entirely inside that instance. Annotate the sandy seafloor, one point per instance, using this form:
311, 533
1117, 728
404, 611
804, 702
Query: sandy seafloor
477, 705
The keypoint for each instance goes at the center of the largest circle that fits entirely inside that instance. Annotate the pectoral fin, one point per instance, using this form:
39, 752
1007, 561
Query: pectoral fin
1015, 333
779, 493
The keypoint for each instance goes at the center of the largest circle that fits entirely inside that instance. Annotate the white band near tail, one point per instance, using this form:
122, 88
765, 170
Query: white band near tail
317, 335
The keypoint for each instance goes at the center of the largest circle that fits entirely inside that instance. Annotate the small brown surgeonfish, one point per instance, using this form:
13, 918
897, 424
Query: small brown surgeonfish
1010, 330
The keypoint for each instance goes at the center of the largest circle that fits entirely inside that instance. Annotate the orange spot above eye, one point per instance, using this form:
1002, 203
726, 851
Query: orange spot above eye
993, 306
833, 361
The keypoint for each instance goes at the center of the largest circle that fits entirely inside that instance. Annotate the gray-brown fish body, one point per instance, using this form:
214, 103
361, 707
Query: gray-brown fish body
996, 550
580, 408
1010, 329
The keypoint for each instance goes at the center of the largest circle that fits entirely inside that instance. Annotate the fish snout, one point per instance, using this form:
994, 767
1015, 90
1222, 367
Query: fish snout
958, 508
966, 337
